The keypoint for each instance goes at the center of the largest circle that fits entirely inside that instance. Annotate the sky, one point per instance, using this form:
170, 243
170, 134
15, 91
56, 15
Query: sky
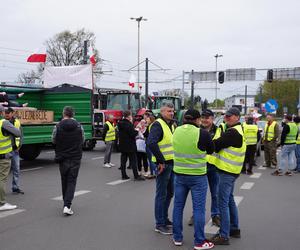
178, 35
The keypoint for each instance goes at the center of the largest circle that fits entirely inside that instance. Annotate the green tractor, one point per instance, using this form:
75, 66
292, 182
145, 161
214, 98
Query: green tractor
158, 101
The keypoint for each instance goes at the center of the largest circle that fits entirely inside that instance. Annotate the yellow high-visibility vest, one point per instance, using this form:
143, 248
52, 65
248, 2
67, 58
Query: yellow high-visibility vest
17, 124
271, 131
111, 133
5, 141
250, 133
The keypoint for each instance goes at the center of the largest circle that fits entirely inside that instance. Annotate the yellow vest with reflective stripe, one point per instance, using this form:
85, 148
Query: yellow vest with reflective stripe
231, 159
250, 133
111, 133
211, 159
298, 138
188, 158
5, 141
165, 145
271, 131
291, 136
17, 124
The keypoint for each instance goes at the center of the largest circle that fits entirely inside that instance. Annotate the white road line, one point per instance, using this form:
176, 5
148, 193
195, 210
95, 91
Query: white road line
10, 212
262, 168
80, 192
117, 182
247, 185
49, 152
255, 175
97, 158
31, 169
210, 229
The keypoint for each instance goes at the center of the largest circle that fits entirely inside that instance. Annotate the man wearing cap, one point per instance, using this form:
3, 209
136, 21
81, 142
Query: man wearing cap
160, 144
6, 130
109, 135
207, 123
191, 144
230, 151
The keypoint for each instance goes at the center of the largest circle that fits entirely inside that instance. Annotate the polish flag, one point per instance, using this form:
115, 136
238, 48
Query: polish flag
131, 80
92, 56
37, 58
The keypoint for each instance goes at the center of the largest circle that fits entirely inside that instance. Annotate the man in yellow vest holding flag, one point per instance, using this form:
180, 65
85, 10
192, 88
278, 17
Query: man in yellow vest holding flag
109, 135
230, 151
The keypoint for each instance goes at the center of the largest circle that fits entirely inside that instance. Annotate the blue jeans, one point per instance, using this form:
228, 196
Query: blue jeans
227, 206
213, 181
151, 163
287, 157
297, 152
164, 194
198, 186
15, 168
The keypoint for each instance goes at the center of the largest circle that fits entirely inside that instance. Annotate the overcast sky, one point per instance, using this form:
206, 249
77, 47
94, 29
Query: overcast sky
179, 35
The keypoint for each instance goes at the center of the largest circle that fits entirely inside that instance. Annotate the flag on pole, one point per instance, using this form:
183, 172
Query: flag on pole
92, 56
132, 80
37, 58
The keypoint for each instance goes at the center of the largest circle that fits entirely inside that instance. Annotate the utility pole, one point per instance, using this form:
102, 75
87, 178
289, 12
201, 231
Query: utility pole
182, 99
260, 99
146, 82
85, 45
245, 100
192, 89
216, 89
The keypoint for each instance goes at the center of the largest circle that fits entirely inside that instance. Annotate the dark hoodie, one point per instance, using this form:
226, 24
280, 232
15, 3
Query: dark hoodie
68, 139
127, 135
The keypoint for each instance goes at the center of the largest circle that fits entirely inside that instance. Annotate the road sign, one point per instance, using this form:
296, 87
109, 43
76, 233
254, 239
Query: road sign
271, 105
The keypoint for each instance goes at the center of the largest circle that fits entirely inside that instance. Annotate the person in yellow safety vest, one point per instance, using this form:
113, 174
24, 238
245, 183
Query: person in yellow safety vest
252, 136
297, 151
6, 131
109, 135
191, 144
160, 144
289, 136
16, 145
270, 138
230, 151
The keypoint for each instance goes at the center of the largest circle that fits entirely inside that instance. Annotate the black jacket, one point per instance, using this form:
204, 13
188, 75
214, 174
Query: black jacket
68, 140
127, 135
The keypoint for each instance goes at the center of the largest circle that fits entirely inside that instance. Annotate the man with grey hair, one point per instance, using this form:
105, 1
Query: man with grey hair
109, 135
160, 144
68, 138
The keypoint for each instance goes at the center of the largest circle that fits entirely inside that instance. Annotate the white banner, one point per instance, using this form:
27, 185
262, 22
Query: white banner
79, 75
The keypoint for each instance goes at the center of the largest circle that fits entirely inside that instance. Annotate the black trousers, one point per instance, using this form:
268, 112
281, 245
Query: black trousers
132, 163
142, 161
249, 157
68, 171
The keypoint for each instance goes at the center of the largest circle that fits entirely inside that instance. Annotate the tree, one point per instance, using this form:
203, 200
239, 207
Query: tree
221, 103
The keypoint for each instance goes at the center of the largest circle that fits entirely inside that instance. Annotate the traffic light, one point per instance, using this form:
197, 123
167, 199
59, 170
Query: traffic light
221, 76
270, 75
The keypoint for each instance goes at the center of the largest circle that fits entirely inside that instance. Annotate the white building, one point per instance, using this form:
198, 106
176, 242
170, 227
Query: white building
239, 101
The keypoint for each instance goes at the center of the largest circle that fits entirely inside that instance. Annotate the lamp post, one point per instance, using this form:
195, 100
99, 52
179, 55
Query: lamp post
216, 89
138, 19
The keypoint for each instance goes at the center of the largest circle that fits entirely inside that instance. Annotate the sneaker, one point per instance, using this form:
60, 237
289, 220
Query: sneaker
68, 211
7, 206
249, 172
139, 178
18, 191
125, 178
191, 221
169, 223
288, 173
277, 173
235, 233
216, 221
163, 230
107, 165
205, 245
219, 240
111, 164
177, 242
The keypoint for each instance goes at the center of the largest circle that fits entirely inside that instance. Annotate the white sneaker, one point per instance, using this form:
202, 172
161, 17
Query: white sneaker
68, 211
111, 164
7, 206
107, 165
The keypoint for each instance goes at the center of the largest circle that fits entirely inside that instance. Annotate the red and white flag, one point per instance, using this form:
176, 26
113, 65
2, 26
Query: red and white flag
37, 58
92, 56
132, 80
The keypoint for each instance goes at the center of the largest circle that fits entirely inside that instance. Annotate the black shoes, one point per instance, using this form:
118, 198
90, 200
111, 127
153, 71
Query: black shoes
125, 178
139, 178
18, 191
235, 233
219, 240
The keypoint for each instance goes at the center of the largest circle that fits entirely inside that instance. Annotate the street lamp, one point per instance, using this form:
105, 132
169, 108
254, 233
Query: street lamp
216, 89
138, 19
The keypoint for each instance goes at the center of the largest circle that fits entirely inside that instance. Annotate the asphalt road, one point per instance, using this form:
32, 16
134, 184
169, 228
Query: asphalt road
119, 215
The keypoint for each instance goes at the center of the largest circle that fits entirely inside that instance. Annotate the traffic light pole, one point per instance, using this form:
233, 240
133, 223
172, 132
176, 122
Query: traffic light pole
192, 89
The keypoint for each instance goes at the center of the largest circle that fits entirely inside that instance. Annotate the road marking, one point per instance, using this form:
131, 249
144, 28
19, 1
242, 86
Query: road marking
255, 175
97, 158
49, 152
10, 212
31, 169
210, 229
247, 185
262, 168
117, 182
80, 192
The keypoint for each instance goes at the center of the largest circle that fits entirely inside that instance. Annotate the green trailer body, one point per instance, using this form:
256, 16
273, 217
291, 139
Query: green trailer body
35, 136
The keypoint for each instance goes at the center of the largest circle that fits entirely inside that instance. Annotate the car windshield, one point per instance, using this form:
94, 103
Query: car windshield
117, 101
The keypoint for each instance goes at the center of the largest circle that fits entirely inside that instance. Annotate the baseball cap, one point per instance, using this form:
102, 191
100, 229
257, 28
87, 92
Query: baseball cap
9, 110
207, 112
233, 111
192, 114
